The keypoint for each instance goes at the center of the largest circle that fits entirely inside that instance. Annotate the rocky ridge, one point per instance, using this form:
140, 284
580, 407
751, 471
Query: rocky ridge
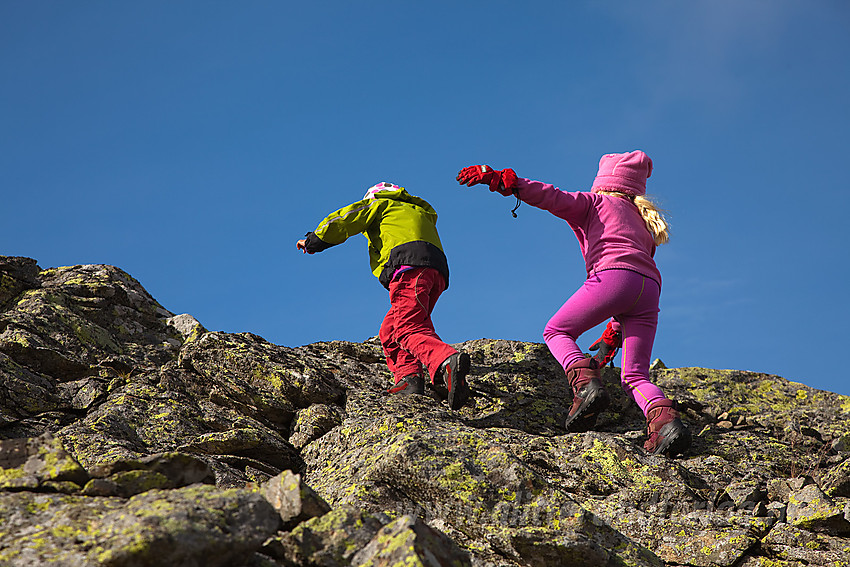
133, 436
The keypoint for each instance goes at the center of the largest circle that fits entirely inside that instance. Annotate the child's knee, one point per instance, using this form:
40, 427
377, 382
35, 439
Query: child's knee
549, 333
553, 331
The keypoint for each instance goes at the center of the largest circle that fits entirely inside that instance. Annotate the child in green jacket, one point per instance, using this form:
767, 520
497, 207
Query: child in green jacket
407, 258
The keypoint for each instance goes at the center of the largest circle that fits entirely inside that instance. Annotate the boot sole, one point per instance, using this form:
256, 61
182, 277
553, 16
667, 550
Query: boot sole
596, 401
675, 439
458, 388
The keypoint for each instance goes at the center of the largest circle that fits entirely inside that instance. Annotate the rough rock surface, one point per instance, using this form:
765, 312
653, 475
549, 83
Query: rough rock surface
133, 436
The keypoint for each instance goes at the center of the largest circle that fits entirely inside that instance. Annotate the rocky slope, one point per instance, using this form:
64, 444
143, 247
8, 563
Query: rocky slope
131, 436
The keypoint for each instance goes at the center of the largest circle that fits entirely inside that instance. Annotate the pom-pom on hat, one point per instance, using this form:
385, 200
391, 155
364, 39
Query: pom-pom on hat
378, 187
624, 173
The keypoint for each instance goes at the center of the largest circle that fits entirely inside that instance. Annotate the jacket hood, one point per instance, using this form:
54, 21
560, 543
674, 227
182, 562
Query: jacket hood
402, 195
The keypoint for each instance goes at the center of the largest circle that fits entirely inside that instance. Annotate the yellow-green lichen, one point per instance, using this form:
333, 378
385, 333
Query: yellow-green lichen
55, 466
620, 470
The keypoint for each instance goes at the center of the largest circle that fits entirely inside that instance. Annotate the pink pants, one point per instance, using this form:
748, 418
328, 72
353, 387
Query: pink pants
407, 332
632, 300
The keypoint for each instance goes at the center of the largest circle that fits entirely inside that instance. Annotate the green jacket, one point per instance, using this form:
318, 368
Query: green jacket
401, 229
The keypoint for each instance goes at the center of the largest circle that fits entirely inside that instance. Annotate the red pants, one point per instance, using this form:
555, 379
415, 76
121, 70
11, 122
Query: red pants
407, 333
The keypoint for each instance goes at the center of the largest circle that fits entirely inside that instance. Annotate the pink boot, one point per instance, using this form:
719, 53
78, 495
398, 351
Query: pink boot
667, 434
589, 396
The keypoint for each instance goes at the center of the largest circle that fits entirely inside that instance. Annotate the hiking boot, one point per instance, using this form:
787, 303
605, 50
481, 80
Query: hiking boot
667, 434
589, 395
412, 384
450, 380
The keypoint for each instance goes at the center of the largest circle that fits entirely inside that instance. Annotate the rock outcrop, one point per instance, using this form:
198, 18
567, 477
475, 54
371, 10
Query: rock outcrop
133, 436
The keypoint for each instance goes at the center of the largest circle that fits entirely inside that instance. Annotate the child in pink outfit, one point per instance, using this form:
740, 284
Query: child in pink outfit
617, 230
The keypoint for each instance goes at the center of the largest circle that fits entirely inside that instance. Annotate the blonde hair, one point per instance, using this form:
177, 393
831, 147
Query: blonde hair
656, 224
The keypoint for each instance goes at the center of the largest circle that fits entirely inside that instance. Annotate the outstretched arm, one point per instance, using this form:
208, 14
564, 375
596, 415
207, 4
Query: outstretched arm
570, 206
338, 226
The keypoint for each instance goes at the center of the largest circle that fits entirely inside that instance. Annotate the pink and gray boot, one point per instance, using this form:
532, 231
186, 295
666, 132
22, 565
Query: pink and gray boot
589, 395
667, 434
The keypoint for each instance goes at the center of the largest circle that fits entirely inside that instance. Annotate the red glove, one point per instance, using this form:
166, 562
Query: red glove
501, 181
607, 345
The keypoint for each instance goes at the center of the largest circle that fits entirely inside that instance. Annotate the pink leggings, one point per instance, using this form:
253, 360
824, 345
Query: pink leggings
632, 300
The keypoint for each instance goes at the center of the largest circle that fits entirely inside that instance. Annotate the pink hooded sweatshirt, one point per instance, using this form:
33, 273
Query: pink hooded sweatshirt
610, 230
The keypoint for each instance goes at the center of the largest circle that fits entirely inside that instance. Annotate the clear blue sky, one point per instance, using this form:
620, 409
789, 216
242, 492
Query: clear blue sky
192, 143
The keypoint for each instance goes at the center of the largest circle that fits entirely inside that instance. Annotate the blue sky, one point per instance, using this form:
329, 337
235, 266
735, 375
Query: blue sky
192, 143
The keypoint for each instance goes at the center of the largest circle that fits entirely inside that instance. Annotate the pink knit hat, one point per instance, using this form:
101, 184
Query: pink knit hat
625, 173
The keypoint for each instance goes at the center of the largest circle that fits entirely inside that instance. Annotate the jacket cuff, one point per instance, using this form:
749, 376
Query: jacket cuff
315, 244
